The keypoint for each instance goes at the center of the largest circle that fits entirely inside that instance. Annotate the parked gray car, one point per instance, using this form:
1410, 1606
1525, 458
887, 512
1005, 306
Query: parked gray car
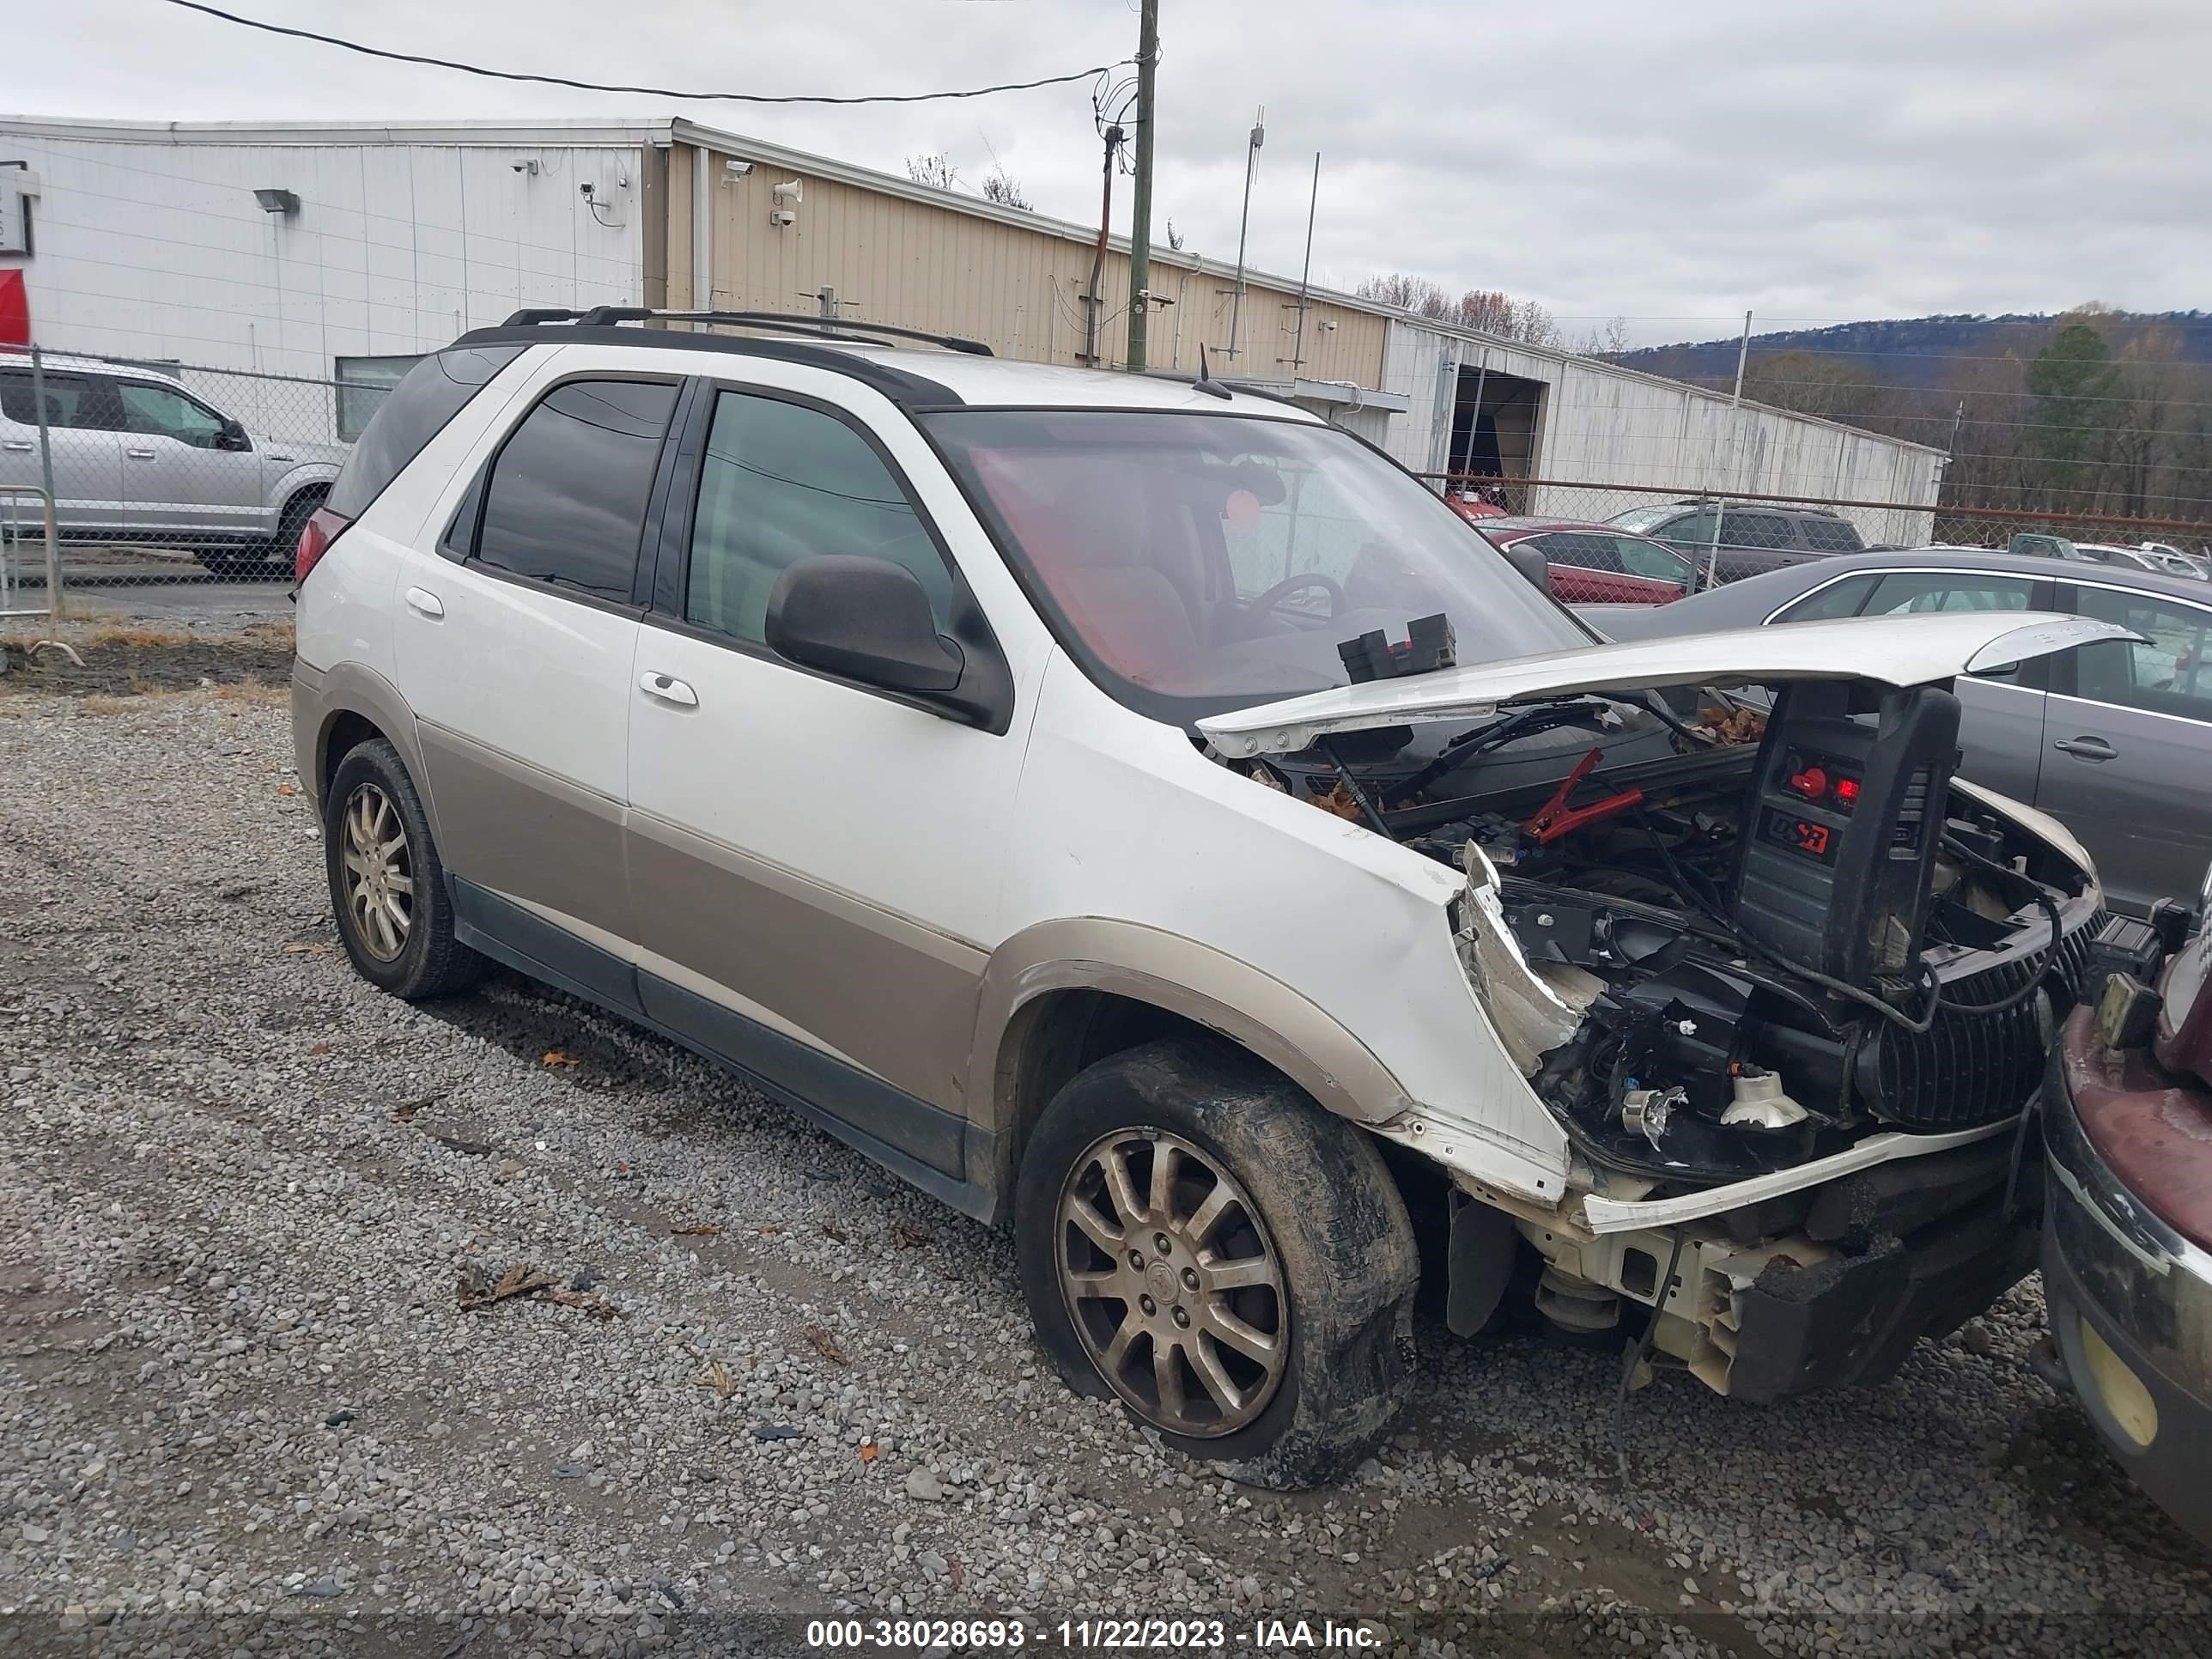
139, 457
2113, 739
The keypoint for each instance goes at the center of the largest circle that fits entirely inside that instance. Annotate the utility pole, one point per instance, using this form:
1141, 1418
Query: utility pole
1140, 207
1243, 223
1093, 299
1735, 423
1305, 275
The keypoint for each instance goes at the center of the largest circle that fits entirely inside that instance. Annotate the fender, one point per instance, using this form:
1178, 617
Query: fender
1149, 964
294, 478
321, 695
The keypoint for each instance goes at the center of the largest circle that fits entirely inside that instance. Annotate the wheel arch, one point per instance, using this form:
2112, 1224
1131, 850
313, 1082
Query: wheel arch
1060, 995
335, 709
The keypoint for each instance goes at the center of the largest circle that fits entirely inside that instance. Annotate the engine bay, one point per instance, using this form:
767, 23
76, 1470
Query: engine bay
1764, 931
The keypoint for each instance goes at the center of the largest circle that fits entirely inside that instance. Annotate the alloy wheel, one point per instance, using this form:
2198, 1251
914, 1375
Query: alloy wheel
1176, 1289
379, 873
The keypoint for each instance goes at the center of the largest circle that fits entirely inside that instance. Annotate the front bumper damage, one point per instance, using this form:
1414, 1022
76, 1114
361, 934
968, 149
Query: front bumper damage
2129, 1298
1827, 1286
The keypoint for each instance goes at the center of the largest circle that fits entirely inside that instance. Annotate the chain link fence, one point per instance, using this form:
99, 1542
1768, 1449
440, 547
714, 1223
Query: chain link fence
1727, 538
163, 473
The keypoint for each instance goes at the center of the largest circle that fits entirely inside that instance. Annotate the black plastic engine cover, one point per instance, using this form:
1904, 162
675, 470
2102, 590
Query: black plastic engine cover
1841, 829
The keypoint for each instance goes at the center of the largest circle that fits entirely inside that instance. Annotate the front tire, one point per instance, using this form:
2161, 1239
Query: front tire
387, 883
1202, 1241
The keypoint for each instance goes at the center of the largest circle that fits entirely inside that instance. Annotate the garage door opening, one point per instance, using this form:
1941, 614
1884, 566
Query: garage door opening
1495, 418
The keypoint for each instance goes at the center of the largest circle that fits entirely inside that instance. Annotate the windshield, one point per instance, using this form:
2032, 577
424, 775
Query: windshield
1195, 563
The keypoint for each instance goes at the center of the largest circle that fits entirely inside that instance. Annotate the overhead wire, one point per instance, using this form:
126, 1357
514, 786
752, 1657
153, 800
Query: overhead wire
455, 64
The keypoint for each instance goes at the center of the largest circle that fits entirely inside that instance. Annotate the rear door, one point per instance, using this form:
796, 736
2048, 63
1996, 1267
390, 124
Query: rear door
2127, 764
516, 636
177, 476
84, 435
2001, 709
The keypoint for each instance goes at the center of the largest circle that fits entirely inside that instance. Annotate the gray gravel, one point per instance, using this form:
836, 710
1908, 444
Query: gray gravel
241, 1195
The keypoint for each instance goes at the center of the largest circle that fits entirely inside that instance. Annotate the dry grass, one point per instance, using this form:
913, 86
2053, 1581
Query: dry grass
237, 695
137, 639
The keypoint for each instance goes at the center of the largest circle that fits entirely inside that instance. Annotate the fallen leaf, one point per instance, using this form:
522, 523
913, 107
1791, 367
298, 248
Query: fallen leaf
598, 1306
834, 1230
716, 1376
523, 1278
696, 1230
770, 1231
622, 1169
555, 1057
956, 1571
509, 1169
319, 1048
465, 1148
286, 789
908, 1236
869, 1454
405, 1112
825, 1345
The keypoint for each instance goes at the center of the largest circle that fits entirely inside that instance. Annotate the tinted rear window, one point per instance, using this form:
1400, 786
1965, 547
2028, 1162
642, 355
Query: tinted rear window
415, 410
1831, 535
567, 499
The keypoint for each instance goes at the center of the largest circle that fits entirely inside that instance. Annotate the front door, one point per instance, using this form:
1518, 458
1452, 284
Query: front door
2127, 761
515, 645
178, 475
813, 861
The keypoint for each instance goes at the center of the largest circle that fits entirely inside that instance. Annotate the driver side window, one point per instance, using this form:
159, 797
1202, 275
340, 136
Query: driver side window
157, 411
782, 481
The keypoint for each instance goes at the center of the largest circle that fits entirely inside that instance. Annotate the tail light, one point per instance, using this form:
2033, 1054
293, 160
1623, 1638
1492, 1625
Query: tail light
315, 538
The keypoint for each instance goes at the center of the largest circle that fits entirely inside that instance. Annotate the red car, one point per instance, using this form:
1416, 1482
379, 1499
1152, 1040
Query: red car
1596, 563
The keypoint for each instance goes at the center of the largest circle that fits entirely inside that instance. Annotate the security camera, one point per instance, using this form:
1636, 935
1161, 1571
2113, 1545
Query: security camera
782, 216
530, 168
584, 189
736, 168
786, 193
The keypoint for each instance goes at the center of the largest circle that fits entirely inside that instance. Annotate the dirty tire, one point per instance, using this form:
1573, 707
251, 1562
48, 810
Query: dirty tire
432, 961
297, 511
1337, 1224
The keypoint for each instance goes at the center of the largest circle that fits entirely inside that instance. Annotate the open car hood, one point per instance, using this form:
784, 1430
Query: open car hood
1894, 650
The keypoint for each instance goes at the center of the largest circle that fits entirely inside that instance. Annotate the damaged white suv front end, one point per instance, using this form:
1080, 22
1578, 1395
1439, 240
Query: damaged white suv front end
1775, 991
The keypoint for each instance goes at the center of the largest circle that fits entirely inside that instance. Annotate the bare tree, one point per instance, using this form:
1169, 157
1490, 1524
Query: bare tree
935, 169
1486, 309
1002, 187
1608, 341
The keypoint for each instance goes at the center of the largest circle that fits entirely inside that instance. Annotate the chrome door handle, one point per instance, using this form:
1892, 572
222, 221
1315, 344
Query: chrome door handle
13, 443
140, 454
2094, 749
668, 689
422, 599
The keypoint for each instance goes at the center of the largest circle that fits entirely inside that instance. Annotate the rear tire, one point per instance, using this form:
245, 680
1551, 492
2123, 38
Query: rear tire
297, 511
1273, 1336
387, 883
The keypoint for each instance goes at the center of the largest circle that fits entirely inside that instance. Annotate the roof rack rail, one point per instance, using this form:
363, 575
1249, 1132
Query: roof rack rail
859, 333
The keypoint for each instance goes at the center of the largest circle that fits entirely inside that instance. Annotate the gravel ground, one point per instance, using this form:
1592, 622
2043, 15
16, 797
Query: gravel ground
240, 1409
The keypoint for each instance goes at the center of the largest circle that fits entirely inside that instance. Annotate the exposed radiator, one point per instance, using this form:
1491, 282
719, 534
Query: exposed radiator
1966, 1070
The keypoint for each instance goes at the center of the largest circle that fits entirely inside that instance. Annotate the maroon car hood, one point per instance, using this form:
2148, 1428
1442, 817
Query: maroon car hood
2151, 1127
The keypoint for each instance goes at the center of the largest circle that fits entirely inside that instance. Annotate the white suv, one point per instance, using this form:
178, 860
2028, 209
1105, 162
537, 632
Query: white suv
1011, 768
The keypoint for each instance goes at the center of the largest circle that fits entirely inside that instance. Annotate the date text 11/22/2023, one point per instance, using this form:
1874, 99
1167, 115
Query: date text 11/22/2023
1091, 1635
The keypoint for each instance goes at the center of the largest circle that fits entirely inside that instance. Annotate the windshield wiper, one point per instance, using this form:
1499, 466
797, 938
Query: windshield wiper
1473, 746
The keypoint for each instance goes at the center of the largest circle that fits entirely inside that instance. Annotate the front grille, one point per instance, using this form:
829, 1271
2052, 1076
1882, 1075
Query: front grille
1966, 1069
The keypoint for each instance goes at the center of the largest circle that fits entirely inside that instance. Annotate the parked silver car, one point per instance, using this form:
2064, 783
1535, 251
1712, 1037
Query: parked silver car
139, 457
2113, 739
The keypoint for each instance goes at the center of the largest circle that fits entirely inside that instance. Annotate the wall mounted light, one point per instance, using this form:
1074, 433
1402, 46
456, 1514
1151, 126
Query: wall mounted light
278, 201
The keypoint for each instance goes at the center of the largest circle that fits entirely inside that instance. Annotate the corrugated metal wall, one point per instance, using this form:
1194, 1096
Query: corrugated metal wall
917, 263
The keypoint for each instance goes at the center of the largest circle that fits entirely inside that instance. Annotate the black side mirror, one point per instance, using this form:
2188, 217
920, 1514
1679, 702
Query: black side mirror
1530, 563
867, 619
232, 435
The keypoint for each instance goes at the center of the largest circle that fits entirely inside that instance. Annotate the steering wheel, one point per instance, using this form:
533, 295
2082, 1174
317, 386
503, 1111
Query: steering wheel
1291, 585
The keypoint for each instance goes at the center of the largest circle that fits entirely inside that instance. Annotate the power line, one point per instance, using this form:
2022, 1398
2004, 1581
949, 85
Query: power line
1092, 73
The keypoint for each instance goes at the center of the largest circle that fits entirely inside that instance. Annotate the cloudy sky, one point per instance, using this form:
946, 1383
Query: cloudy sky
1811, 160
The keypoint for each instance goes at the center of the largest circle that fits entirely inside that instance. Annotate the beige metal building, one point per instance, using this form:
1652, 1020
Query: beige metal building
159, 240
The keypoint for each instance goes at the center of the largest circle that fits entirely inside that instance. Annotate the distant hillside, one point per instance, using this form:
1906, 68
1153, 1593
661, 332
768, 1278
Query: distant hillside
1914, 351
